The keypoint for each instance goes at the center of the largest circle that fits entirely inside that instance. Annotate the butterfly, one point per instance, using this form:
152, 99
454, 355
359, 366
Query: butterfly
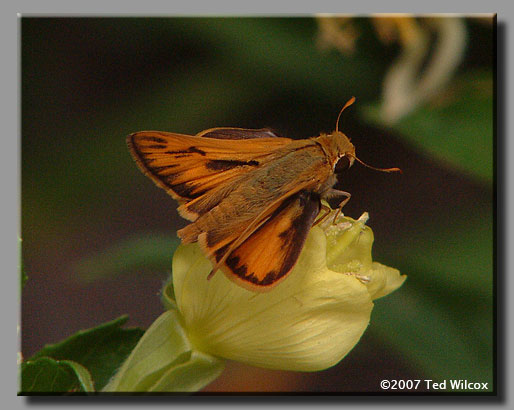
251, 196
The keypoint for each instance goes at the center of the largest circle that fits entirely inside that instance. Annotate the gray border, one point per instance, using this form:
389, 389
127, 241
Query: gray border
10, 162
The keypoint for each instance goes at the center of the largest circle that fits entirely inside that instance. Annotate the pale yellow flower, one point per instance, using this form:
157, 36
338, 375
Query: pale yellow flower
308, 322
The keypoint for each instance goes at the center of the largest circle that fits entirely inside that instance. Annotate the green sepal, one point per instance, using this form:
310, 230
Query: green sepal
164, 360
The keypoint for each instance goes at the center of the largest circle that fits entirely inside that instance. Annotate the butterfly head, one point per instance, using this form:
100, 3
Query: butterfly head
344, 151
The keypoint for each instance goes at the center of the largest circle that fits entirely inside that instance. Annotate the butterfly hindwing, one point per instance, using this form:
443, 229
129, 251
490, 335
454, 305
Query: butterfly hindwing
272, 250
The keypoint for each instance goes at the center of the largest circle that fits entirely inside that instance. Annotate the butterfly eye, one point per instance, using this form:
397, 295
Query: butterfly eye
342, 165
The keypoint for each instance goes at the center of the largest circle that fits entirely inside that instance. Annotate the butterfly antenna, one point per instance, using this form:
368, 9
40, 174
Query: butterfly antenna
379, 169
348, 103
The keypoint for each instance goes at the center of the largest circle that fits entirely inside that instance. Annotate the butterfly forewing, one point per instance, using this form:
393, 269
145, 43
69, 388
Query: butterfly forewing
188, 167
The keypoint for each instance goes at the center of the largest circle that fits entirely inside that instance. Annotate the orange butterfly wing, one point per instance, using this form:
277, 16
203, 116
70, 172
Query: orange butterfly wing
271, 251
188, 167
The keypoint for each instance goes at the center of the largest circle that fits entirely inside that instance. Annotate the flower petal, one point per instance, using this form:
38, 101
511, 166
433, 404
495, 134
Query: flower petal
308, 322
390, 280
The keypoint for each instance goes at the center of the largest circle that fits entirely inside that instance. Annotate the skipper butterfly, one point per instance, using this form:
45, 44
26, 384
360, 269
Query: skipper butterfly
251, 196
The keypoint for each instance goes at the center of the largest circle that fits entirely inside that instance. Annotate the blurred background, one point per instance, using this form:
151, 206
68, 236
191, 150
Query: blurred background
98, 235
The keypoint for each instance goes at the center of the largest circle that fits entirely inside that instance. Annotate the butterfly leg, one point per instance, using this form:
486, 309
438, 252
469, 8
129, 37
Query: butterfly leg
336, 193
327, 211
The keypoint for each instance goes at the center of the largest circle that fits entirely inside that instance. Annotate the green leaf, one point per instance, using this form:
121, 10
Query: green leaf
457, 128
101, 349
164, 360
46, 375
144, 253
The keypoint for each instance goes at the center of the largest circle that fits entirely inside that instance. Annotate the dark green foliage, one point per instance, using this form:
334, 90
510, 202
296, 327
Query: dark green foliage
101, 350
